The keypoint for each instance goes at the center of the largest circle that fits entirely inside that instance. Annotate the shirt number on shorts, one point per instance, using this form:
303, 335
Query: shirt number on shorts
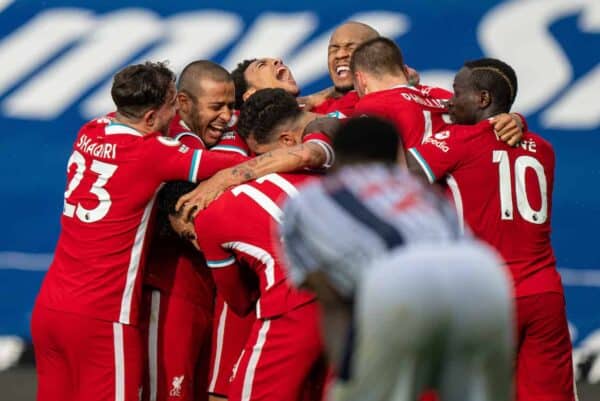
104, 171
522, 163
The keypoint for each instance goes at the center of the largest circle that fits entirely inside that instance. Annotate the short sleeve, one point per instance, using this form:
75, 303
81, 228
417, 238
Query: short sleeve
210, 233
439, 154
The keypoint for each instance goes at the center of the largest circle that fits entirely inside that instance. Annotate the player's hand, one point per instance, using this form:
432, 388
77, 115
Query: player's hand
508, 128
203, 195
413, 76
310, 101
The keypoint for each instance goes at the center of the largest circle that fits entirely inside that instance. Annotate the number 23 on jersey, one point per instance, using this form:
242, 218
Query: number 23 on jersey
104, 171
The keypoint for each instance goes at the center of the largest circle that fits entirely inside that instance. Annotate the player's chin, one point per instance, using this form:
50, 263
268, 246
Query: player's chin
343, 86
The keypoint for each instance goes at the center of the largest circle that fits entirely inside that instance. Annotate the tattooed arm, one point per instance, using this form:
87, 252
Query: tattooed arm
283, 160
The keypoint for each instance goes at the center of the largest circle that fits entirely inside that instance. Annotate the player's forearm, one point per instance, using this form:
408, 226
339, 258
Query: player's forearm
286, 160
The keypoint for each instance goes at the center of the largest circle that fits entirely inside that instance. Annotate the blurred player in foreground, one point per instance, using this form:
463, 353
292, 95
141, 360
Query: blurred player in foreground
417, 305
504, 194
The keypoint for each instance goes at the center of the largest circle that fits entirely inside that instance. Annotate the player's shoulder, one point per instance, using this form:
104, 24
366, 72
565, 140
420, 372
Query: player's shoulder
535, 143
472, 131
435, 92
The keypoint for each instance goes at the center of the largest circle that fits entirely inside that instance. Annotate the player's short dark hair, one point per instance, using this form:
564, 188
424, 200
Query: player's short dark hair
378, 56
199, 70
496, 77
240, 82
266, 110
367, 139
141, 87
166, 200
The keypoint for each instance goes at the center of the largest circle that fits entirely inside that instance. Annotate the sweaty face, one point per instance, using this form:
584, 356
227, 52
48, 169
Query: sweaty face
271, 73
166, 112
342, 44
463, 106
211, 111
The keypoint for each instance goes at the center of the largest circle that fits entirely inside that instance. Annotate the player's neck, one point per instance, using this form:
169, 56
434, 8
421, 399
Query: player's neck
386, 82
487, 114
137, 125
305, 118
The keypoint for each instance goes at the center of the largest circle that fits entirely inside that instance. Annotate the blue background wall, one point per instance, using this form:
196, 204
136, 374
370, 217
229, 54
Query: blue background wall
56, 58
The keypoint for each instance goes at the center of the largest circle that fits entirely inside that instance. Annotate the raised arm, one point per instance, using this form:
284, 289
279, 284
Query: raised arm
312, 154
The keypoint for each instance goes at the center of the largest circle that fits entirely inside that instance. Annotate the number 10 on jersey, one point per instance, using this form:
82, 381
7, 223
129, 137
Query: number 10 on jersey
521, 165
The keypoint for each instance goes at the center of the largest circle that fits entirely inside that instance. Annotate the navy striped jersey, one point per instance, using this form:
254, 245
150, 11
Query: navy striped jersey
345, 222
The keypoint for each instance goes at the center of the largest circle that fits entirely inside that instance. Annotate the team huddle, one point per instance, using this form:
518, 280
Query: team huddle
223, 238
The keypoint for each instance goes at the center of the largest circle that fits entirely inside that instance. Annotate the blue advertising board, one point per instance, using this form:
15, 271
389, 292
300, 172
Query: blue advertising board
58, 57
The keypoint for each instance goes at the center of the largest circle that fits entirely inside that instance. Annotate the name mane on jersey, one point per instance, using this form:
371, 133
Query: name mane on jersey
430, 102
103, 150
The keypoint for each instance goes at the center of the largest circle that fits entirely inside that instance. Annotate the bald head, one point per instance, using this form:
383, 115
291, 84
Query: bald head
193, 75
342, 43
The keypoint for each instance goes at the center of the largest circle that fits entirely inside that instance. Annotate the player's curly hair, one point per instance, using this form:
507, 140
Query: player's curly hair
496, 77
240, 82
266, 110
141, 87
166, 200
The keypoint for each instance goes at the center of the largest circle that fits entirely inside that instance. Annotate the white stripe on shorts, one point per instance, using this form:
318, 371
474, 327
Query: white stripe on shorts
119, 362
153, 343
219, 350
256, 351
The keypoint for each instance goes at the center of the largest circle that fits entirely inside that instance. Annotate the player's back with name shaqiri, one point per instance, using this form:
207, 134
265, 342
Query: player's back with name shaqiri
114, 172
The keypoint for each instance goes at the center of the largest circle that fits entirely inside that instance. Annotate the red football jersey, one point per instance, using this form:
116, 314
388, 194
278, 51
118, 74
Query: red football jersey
113, 175
175, 267
415, 112
503, 193
344, 105
237, 228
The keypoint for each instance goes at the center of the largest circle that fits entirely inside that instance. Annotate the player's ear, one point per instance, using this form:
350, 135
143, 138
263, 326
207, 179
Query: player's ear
184, 103
150, 117
484, 99
248, 93
359, 82
287, 138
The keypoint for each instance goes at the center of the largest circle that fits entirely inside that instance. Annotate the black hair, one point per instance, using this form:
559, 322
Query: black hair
367, 139
496, 77
199, 70
166, 200
378, 56
264, 111
240, 82
141, 87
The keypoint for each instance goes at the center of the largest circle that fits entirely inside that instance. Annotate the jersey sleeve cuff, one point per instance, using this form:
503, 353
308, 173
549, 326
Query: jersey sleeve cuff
193, 176
424, 165
329, 153
217, 264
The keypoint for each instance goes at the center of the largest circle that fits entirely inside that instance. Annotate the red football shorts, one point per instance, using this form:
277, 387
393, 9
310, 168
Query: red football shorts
177, 335
279, 358
544, 364
80, 358
230, 333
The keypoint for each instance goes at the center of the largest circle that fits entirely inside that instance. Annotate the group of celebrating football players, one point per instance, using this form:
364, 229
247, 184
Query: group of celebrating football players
224, 238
